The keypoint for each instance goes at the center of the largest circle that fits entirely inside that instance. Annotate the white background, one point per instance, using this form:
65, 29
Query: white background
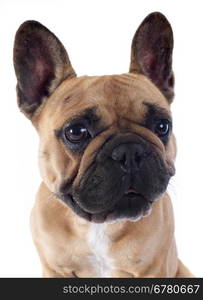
97, 35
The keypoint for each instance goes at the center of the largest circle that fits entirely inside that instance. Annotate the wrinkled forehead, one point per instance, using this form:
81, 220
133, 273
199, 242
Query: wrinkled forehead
117, 96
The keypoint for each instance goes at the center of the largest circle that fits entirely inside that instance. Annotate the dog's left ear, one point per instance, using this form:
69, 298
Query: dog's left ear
151, 52
41, 63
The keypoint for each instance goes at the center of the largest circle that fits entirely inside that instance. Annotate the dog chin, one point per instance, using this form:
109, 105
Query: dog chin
125, 210
110, 220
129, 219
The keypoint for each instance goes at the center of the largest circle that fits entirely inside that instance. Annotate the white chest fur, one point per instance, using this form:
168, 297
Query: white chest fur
99, 243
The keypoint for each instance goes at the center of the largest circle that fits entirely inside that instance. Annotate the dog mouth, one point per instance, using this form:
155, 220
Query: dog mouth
132, 206
131, 192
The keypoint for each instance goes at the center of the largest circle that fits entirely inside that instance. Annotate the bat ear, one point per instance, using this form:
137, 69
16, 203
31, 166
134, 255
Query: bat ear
41, 63
151, 52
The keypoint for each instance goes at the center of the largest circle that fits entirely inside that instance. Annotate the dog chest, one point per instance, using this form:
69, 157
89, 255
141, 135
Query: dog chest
98, 242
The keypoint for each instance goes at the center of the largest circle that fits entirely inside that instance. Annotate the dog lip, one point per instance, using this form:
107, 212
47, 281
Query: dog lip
95, 218
132, 191
108, 215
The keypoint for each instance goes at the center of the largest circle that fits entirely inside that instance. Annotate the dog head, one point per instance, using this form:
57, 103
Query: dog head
106, 142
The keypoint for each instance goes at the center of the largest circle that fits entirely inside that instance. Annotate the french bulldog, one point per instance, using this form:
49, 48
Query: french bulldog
106, 157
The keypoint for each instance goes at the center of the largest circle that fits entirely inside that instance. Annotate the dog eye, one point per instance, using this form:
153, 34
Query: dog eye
162, 128
76, 133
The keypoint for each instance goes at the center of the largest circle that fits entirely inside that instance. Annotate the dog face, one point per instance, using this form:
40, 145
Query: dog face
106, 143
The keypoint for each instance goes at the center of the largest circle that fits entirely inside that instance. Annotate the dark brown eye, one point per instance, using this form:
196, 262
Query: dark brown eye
76, 133
162, 128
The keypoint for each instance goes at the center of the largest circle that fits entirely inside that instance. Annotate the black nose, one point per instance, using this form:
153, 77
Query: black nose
130, 156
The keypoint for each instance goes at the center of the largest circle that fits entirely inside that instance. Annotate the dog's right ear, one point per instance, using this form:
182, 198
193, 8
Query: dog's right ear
41, 63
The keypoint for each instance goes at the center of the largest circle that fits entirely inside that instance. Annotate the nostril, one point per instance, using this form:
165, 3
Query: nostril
123, 160
140, 157
121, 155
137, 159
